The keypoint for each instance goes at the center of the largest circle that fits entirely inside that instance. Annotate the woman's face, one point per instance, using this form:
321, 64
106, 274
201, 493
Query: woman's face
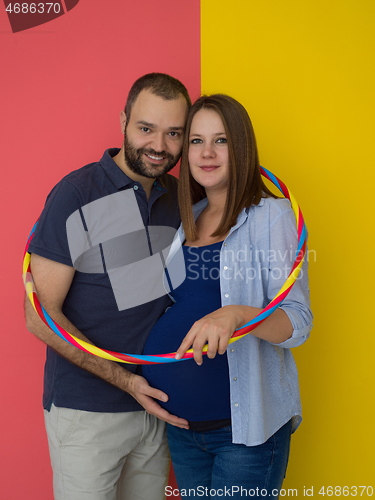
208, 151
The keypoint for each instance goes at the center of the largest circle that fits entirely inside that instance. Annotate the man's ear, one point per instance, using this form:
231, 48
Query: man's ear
123, 121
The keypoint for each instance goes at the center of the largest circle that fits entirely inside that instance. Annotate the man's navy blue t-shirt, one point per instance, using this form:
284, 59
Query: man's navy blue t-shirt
90, 304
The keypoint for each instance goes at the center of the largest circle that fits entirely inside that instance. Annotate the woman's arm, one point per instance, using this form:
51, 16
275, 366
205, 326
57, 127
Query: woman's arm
216, 329
289, 325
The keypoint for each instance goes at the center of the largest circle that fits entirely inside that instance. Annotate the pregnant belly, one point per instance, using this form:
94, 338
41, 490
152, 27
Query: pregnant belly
195, 392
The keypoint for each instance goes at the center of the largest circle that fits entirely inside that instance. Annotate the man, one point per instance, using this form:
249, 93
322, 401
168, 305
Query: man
105, 439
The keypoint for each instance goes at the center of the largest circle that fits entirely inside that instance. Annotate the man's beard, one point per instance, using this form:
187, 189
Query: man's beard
133, 159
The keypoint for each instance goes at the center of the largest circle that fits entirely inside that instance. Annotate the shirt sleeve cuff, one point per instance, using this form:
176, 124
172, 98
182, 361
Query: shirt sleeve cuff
300, 332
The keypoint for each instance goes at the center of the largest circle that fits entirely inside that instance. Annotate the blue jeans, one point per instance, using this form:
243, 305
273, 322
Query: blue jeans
210, 464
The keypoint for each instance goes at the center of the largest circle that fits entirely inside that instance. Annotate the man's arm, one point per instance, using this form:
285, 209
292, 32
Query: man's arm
52, 282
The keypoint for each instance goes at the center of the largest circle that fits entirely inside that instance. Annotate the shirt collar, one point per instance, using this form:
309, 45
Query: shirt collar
198, 207
118, 178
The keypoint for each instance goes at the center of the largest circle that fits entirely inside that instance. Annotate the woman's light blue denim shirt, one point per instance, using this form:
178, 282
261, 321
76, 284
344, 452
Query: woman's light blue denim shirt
255, 259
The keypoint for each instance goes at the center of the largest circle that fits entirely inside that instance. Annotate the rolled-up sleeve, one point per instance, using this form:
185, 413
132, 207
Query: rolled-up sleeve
283, 245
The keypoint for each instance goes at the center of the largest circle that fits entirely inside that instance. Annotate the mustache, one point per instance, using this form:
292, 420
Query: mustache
155, 153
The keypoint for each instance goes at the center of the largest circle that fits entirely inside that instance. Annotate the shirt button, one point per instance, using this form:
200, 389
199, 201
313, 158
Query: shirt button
232, 350
135, 188
234, 378
226, 295
225, 268
236, 404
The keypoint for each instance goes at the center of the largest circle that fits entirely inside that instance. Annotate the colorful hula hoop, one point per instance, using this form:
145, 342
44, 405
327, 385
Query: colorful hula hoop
170, 357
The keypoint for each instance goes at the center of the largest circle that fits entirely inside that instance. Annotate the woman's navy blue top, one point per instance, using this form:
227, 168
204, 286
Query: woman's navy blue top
197, 393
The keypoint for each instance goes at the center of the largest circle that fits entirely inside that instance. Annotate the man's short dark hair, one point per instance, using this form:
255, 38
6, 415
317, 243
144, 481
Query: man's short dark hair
159, 84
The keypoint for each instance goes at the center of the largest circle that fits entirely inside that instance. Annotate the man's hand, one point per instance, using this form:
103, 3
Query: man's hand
145, 395
215, 329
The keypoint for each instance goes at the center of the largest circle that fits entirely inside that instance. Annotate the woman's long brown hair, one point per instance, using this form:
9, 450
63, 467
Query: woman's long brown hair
245, 184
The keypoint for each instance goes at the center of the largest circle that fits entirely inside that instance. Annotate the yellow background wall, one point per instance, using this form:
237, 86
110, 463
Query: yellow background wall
305, 72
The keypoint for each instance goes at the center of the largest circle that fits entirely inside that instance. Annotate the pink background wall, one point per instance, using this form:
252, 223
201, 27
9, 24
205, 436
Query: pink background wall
62, 86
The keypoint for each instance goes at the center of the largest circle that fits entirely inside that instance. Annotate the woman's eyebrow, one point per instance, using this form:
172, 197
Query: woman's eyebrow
200, 135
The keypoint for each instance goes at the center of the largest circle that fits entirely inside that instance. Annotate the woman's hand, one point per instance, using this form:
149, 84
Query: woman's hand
215, 329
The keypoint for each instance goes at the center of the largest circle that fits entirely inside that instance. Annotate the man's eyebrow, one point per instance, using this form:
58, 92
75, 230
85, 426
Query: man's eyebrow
146, 124
152, 125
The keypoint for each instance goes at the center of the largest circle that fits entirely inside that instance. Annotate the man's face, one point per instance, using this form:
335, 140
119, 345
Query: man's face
154, 134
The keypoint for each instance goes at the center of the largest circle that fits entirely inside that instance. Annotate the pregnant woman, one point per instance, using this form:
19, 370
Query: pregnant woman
239, 243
